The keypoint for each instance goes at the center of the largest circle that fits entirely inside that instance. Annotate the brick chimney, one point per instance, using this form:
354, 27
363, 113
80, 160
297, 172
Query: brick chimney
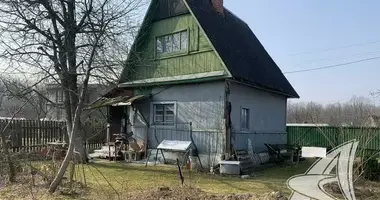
218, 5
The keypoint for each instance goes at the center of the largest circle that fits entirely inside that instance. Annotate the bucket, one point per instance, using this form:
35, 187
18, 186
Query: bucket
188, 164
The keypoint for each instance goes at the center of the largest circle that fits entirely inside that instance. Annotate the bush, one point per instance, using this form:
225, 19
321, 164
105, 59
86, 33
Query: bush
371, 169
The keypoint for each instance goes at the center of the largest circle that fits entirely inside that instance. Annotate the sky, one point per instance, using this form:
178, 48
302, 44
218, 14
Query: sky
301, 35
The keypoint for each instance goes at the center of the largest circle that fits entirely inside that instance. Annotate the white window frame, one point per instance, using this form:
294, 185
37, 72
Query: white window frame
171, 37
60, 96
152, 113
245, 129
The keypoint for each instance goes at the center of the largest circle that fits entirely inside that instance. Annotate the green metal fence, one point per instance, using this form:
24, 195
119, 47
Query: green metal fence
329, 137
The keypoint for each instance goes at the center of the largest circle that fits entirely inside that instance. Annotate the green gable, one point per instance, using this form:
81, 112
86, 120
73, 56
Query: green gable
165, 18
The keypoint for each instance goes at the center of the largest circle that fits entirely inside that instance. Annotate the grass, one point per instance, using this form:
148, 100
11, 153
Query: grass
137, 178
110, 180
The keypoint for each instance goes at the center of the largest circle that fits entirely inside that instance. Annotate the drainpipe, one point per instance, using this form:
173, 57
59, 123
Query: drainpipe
109, 122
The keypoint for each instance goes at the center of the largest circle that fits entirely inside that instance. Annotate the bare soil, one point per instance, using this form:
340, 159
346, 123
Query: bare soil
363, 190
187, 193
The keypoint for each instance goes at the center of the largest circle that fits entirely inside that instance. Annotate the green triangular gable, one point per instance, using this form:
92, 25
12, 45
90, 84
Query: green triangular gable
165, 17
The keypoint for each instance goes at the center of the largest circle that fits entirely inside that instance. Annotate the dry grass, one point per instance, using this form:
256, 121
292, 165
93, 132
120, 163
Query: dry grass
107, 180
118, 181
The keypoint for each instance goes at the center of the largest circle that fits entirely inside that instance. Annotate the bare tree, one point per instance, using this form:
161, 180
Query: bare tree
314, 112
5, 141
353, 112
13, 92
66, 41
334, 114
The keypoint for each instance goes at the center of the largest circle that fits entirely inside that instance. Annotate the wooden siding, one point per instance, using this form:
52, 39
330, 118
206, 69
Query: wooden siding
199, 58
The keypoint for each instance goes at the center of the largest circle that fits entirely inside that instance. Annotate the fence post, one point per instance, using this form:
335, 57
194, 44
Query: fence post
146, 142
109, 140
287, 135
39, 129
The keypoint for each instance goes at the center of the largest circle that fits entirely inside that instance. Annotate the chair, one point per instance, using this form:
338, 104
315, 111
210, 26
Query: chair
135, 151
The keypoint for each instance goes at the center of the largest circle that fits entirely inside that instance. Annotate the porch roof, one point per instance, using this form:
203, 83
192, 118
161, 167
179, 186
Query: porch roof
115, 101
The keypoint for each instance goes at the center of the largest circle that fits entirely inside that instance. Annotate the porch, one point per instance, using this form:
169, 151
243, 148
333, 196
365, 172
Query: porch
184, 113
129, 114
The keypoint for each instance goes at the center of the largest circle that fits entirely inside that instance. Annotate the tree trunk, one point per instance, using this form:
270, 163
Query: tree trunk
11, 166
80, 155
72, 171
8, 160
62, 170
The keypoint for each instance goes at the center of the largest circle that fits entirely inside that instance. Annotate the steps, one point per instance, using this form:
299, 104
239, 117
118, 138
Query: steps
246, 162
103, 152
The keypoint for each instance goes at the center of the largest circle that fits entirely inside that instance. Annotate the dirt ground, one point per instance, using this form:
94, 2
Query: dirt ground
367, 191
162, 193
363, 190
186, 193
161, 183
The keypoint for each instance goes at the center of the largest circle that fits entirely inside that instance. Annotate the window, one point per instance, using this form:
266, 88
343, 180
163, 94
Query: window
172, 43
163, 114
60, 96
244, 118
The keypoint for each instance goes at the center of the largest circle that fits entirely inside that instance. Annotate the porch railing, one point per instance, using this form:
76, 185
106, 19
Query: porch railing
206, 141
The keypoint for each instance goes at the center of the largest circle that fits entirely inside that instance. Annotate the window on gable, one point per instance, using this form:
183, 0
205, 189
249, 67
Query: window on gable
168, 47
184, 40
163, 114
159, 45
244, 118
175, 42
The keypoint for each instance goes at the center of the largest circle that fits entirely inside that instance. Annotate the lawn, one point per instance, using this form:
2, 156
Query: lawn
110, 180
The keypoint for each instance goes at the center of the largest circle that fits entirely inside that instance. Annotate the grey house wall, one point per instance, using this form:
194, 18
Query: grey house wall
202, 104
267, 114
57, 112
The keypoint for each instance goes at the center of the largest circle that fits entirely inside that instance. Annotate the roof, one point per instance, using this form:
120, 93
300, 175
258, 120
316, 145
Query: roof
115, 92
375, 117
375, 120
115, 101
241, 51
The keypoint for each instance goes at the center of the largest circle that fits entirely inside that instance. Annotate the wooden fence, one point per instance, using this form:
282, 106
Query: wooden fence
33, 135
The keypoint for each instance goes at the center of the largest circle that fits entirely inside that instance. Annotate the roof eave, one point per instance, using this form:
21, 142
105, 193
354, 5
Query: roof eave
248, 83
192, 78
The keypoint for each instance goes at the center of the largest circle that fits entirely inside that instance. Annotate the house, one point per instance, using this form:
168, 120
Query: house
55, 106
197, 72
371, 121
12, 107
